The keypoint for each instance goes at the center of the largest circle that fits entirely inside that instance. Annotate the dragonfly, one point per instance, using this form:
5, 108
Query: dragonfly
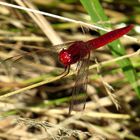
79, 52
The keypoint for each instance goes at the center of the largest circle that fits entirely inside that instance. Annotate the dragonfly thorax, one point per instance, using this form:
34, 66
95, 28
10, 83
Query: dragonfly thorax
65, 57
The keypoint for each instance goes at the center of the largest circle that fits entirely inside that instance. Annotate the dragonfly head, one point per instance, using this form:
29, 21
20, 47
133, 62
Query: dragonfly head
65, 57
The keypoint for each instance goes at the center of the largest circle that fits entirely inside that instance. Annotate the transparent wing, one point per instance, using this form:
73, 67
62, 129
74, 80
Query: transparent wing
29, 61
31, 50
80, 85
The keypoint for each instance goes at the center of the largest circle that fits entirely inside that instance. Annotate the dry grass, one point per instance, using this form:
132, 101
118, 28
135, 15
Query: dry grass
35, 99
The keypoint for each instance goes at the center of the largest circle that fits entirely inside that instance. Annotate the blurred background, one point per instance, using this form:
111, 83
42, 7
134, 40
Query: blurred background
34, 99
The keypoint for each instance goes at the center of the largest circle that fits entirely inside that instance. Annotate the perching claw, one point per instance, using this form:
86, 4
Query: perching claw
66, 71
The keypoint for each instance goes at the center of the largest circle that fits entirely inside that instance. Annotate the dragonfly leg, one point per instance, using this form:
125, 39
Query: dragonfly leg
66, 71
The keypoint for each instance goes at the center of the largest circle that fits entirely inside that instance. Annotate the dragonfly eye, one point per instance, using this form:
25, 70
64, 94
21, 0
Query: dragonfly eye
65, 57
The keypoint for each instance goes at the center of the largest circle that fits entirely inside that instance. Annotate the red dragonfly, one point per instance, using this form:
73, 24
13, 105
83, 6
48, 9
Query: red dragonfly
79, 51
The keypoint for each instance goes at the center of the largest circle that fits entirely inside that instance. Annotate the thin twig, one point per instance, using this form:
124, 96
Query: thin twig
60, 76
41, 22
108, 87
62, 18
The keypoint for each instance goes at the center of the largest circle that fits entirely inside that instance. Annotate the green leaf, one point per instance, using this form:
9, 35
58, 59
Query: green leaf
97, 15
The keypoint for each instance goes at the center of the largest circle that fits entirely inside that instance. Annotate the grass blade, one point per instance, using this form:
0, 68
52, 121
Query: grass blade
97, 15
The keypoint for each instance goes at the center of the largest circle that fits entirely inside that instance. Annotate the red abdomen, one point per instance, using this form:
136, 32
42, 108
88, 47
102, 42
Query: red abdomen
109, 37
